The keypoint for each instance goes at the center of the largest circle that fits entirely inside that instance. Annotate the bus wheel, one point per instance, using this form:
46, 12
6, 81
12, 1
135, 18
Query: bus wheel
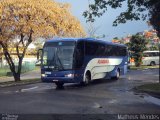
117, 75
152, 63
59, 84
87, 80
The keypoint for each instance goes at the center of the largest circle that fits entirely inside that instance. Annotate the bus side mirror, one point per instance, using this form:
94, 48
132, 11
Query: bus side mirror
39, 54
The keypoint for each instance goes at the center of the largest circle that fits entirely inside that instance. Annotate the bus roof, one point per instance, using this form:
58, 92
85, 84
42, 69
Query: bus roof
85, 39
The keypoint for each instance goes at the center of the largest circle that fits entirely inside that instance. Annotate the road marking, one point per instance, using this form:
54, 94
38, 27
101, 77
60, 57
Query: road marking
149, 73
152, 100
113, 101
129, 78
28, 89
7, 92
97, 105
156, 75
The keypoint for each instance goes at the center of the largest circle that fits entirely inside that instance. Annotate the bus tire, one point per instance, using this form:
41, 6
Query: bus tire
59, 84
117, 75
87, 79
152, 63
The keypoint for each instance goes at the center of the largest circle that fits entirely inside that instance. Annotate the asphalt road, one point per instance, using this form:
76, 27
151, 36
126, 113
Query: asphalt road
100, 97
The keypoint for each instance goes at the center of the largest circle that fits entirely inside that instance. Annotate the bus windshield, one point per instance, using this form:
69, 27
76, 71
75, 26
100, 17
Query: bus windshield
58, 55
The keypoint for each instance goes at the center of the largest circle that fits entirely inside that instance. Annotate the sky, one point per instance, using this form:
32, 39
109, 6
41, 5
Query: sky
104, 23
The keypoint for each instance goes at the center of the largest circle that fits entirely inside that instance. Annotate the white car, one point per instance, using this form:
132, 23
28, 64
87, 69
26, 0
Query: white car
150, 58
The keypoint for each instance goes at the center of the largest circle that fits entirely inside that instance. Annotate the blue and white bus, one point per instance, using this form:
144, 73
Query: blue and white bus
81, 60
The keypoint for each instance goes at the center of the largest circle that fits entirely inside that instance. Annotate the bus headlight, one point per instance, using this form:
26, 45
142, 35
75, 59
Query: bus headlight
69, 75
43, 75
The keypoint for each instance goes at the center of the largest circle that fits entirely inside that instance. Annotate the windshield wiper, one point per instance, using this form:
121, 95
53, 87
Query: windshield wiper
52, 60
61, 65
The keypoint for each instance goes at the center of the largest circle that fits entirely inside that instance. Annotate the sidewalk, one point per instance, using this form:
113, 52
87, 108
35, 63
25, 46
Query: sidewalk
29, 75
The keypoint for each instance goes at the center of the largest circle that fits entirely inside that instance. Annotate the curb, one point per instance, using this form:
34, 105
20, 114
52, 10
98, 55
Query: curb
143, 68
22, 82
149, 92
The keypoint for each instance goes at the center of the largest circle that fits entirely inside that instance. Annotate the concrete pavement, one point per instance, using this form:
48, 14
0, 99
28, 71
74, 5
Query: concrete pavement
29, 75
100, 97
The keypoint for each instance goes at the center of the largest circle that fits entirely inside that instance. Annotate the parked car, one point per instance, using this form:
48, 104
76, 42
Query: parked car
150, 58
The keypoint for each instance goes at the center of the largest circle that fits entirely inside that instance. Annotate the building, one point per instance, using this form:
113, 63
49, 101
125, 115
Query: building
30, 55
116, 41
151, 35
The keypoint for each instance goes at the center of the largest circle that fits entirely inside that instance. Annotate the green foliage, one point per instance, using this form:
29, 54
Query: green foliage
116, 38
137, 45
136, 10
95, 10
154, 47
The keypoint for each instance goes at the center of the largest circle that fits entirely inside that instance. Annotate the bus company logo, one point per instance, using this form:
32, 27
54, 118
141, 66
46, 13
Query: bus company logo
103, 61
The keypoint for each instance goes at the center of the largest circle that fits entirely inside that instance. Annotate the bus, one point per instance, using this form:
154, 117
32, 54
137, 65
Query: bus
81, 60
150, 58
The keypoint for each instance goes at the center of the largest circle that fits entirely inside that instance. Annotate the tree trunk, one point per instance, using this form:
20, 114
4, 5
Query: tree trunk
12, 67
16, 73
16, 77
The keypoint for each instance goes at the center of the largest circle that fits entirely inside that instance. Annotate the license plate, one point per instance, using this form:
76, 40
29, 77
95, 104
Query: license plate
55, 80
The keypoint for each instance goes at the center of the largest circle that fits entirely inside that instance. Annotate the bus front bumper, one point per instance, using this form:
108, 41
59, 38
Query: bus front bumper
58, 79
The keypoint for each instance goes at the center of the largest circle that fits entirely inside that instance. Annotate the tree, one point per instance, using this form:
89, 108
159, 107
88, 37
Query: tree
154, 47
116, 38
137, 45
22, 21
136, 9
91, 30
38, 44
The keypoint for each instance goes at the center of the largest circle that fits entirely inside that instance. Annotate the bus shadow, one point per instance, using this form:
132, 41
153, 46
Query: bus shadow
79, 86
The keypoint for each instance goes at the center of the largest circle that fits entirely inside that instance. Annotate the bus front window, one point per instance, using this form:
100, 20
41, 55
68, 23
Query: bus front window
58, 55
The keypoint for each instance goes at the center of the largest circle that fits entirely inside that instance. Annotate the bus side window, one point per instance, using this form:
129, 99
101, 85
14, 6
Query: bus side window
114, 51
124, 52
79, 54
108, 49
91, 48
100, 50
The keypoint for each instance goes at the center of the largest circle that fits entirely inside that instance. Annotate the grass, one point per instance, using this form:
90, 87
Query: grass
4, 71
153, 88
37, 67
143, 67
22, 82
